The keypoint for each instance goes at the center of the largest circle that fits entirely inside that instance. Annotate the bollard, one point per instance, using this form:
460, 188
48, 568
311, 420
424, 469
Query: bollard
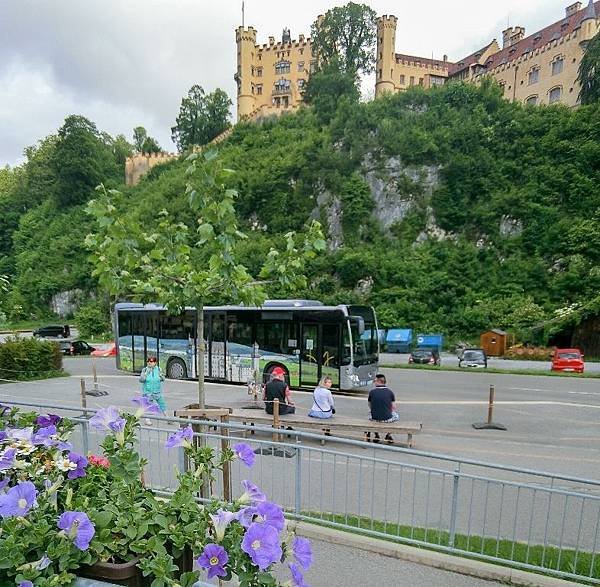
95, 379
490, 424
83, 398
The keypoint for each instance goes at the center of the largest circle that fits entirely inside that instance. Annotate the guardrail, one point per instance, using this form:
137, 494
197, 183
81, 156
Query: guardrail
529, 519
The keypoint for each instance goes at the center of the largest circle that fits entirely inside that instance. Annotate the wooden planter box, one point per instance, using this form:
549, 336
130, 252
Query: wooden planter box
126, 574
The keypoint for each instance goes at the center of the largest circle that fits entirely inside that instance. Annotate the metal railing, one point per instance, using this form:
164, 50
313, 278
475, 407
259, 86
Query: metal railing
524, 518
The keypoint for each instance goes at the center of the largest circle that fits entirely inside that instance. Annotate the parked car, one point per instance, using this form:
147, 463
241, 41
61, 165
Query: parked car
52, 331
473, 358
567, 360
425, 357
75, 347
107, 351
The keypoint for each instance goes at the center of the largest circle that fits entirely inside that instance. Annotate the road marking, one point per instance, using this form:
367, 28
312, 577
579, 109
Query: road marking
504, 403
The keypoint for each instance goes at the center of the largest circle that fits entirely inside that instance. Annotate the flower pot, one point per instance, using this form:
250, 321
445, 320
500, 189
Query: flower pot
126, 574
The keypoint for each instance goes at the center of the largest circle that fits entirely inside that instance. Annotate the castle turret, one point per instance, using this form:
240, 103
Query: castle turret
386, 54
246, 42
589, 25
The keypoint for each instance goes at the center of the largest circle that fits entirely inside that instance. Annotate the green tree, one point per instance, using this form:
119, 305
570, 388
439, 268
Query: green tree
346, 37
177, 265
201, 118
326, 88
589, 73
81, 161
144, 143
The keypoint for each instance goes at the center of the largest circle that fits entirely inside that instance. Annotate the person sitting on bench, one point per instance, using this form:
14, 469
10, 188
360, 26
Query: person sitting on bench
277, 388
382, 405
322, 400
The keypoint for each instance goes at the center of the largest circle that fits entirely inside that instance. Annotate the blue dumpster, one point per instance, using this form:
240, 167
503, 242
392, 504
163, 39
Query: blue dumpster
399, 340
430, 341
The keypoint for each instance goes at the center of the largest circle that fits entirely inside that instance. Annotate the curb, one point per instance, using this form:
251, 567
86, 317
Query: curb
429, 558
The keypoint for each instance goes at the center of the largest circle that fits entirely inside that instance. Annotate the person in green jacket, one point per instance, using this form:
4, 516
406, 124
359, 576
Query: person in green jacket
151, 379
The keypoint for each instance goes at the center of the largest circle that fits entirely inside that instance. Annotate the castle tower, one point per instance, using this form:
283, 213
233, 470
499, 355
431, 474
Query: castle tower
246, 42
386, 54
589, 24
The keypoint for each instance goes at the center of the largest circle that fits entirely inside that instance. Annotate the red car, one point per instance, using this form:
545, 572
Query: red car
567, 360
107, 351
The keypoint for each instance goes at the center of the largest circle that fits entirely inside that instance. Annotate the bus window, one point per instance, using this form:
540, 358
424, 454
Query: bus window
239, 347
330, 354
346, 345
139, 341
174, 347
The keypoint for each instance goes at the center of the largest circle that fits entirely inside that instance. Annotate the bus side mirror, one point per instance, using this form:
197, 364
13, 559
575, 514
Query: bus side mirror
360, 324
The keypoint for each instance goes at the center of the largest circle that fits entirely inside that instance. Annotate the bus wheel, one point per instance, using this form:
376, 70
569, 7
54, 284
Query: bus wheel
269, 370
176, 369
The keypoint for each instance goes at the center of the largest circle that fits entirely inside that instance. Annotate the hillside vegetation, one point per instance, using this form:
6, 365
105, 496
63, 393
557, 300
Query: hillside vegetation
449, 210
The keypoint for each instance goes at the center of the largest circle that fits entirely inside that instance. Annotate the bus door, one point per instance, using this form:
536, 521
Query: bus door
320, 354
310, 368
139, 340
215, 363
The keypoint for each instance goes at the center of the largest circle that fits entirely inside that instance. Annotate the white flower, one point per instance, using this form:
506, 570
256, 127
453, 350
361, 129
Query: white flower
64, 464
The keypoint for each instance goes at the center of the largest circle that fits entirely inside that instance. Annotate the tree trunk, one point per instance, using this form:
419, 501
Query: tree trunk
200, 353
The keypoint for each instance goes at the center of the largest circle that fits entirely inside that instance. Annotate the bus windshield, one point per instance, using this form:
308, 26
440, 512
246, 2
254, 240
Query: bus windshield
365, 345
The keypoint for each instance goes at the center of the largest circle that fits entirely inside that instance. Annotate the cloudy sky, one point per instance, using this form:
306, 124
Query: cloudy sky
124, 63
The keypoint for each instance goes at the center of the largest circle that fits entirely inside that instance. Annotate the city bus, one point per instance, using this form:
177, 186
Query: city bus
305, 338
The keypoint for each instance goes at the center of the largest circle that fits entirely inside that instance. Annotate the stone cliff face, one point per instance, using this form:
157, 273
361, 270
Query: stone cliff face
396, 189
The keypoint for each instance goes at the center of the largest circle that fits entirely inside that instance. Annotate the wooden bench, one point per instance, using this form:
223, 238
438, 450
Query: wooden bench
337, 424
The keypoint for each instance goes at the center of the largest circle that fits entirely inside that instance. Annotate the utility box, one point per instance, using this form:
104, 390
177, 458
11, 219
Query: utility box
493, 342
430, 341
399, 340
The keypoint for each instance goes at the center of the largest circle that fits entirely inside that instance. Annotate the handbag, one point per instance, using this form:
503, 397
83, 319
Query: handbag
332, 410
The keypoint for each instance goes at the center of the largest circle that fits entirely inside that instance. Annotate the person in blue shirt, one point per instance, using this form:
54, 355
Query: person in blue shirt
151, 379
382, 404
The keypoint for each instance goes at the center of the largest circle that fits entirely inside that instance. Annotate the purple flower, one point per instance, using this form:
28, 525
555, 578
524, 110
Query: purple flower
18, 500
25, 434
245, 453
145, 406
81, 463
3, 435
302, 550
43, 563
251, 493
63, 445
221, 520
25, 584
78, 527
297, 577
3, 483
245, 516
214, 558
47, 420
261, 544
104, 418
271, 514
7, 458
183, 437
44, 436
117, 425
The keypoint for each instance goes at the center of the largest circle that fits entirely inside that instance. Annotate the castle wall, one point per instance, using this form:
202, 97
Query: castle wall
140, 163
270, 77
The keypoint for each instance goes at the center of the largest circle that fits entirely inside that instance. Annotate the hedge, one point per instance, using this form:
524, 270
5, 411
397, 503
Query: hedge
29, 358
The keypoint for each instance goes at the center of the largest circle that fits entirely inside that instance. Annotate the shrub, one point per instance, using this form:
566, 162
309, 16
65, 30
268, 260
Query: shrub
28, 358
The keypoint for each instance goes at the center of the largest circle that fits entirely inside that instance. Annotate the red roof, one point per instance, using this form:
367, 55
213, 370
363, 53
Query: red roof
423, 61
552, 32
469, 60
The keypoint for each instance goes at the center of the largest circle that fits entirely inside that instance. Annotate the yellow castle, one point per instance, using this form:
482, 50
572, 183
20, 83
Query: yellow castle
540, 68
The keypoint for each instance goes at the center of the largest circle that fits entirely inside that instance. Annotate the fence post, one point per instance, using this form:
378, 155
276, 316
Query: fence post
455, 482
276, 420
298, 495
84, 422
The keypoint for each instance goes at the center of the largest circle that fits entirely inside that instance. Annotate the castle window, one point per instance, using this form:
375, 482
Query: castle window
301, 84
313, 66
260, 56
379, 73
259, 89
532, 101
421, 81
412, 80
301, 50
554, 95
282, 67
281, 86
534, 76
300, 65
402, 80
558, 66
258, 71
